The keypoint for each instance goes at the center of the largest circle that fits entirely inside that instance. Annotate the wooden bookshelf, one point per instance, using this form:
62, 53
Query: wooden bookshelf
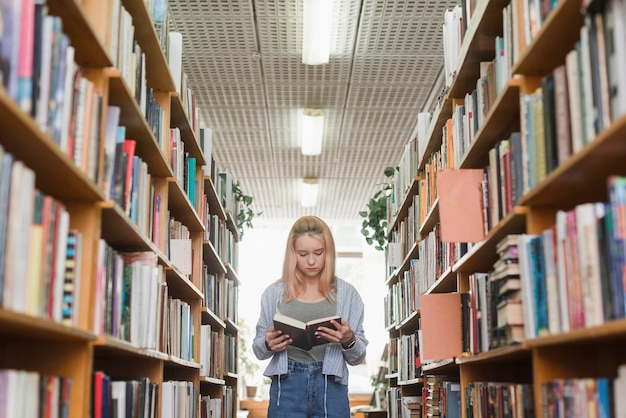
589, 351
32, 339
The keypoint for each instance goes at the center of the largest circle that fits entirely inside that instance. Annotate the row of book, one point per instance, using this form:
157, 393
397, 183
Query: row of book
434, 258
138, 398
133, 303
571, 273
187, 97
496, 306
440, 397
126, 179
40, 253
184, 167
407, 348
578, 397
129, 296
129, 398
211, 352
49, 396
490, 399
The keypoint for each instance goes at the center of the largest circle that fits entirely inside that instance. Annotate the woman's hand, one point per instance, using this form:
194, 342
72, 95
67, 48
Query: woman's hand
275, 340
342, 335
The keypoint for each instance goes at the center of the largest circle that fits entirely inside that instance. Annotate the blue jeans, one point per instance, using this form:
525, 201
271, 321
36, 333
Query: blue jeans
302, 393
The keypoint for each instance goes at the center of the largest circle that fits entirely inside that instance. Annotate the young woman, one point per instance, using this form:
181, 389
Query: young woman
310, 383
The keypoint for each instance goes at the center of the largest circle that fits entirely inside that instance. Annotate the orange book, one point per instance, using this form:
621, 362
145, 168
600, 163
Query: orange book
442, 331
460, 205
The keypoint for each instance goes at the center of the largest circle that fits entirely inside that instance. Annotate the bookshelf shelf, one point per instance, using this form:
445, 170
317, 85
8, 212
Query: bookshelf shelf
180, 286
497, 355
582, 178
56, 172
187, 133
404, 207
157, 70
90, 51
181, 208
432, 217
500, 122
553, 41
478, 45
483, 254
433, 139
609, 332
14, 325
121, 232
212, 259
209, 317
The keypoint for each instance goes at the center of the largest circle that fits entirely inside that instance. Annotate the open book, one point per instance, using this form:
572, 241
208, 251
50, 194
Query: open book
303, 333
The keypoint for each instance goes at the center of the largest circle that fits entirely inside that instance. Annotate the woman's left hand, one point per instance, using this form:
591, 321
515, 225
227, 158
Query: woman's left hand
342, 334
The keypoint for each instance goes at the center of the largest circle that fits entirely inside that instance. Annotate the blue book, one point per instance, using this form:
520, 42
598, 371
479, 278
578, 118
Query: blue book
453, 399
539, 278
191, 180
603, 396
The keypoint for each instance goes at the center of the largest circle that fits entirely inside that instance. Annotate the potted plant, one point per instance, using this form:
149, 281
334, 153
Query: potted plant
374, 227
245, 214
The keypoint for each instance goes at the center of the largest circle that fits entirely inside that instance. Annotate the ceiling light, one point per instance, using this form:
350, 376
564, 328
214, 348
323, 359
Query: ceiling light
317, 18
308, 192
311, 129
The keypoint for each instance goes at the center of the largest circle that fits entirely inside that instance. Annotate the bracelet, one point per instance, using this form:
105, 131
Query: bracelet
350, 343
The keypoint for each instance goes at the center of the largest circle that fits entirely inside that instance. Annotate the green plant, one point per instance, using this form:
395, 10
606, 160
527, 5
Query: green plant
245, 214
374, 227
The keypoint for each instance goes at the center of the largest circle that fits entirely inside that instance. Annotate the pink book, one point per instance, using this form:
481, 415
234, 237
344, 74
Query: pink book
25, 63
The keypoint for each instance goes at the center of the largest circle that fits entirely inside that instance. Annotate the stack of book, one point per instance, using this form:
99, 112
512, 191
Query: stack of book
506, 296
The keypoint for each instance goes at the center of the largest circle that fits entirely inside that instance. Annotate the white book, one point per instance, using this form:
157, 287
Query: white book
589, 262
175, 59
19, 219
59, 264
68, 101
118, 394
181, 254
46, 70
589, 108
615, 18
167, 400
114, 31
139, 293
206, 141
619, 389
562, 271
575, 105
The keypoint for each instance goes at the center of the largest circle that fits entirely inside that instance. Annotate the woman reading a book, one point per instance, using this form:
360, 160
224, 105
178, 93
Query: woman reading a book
310, 381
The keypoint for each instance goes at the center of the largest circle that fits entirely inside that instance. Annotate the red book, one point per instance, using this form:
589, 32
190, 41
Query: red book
129, 150
98, 379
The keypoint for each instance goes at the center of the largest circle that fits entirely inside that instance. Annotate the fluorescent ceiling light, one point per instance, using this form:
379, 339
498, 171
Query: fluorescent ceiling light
308, 192
311, 129
317, 18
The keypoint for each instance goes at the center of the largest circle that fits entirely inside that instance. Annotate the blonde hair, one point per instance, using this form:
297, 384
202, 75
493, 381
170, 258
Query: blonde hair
315, 228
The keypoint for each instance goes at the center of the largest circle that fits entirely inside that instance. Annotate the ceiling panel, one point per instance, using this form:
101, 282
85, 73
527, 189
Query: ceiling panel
242, 59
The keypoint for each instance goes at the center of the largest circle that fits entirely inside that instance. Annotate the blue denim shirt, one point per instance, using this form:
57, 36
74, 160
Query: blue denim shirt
349, 306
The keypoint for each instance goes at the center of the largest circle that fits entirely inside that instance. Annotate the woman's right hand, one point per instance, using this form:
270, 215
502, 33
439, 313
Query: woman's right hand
275, 340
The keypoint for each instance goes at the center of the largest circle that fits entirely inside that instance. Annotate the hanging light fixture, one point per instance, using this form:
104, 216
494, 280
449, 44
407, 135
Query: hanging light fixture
308, 192
317, 19
311, 130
